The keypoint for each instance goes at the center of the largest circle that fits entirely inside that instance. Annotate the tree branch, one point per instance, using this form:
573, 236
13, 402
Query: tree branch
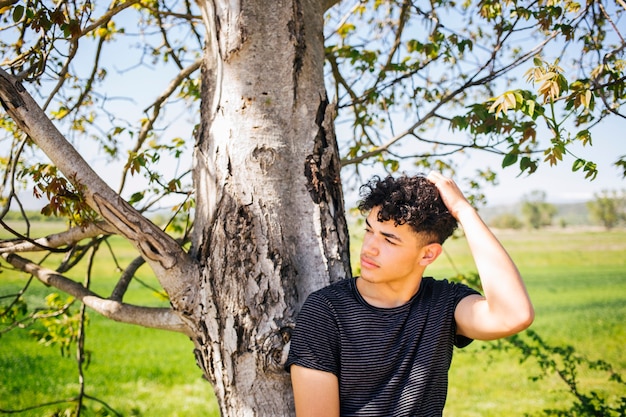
105, 18
63, 73
153, 317
66, 238
173, 267
122, 284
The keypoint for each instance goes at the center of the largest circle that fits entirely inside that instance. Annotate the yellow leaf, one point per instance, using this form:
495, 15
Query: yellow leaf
546, 76
509, 101
587, 99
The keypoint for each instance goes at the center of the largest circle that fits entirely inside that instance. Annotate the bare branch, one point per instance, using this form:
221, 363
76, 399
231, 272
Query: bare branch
63, 73
402, 20
124, 281
153, 317
9, 177
105, 18
57, 240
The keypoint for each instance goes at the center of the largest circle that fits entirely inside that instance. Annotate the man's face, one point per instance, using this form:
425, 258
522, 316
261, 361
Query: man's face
389, 253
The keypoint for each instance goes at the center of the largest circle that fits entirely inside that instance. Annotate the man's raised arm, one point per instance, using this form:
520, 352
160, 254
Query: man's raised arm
506, 308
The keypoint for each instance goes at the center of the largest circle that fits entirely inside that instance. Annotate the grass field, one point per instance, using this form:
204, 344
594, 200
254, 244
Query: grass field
577, 280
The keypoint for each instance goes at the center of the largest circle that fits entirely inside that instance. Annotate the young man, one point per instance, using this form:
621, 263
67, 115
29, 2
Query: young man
381, 344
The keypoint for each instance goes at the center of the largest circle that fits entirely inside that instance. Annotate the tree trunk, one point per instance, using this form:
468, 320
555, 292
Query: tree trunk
270, 224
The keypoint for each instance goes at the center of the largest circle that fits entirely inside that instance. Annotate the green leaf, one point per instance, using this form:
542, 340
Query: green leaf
531, 107
591, 170
138, 196
578, 164
18, 13
346, 29
509, 159
584, 136
527, 164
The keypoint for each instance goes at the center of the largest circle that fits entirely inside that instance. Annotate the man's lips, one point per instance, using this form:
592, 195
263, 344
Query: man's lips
367, 263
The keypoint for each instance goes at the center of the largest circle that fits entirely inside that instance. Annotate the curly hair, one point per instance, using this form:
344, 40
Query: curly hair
409, 200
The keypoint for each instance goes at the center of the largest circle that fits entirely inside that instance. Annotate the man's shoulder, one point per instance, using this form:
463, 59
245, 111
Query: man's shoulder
436, 285
335, 295
336, 289
442, 286
328, 301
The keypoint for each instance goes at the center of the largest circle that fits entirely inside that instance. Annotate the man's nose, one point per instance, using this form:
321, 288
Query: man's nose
370, 245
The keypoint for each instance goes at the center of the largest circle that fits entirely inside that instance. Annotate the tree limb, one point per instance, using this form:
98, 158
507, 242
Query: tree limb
73, 49
127, 276
66, 238
106, 17
329, 3
153, 317
174, 268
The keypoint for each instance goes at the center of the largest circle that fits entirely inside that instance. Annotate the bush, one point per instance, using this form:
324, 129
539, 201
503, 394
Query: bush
506, 221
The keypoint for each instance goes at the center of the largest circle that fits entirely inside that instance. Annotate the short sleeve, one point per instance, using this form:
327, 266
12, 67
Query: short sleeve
315, 341
461, 291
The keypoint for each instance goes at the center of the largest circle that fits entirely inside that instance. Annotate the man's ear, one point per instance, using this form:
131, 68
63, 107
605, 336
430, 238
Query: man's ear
430, 252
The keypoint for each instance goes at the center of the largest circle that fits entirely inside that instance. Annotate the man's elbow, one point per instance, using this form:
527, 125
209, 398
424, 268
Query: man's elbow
523, 319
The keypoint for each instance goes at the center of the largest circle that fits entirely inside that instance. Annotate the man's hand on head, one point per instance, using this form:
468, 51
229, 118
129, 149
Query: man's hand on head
450, 193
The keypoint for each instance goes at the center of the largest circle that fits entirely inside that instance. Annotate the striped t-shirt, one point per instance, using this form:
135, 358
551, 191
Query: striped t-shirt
389, 361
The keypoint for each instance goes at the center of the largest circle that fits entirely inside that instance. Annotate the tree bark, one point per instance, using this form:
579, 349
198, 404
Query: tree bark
270, 225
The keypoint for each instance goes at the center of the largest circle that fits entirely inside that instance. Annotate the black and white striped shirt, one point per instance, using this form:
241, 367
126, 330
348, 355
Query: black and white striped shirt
389, 361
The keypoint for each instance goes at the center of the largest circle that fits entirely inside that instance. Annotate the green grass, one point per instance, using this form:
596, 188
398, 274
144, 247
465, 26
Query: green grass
577, 280
135, 370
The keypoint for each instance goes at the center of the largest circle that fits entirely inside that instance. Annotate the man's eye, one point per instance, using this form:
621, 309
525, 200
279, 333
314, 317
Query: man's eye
391, 242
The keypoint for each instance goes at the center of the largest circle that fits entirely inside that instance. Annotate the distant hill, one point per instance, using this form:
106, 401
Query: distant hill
569, 214
574, 214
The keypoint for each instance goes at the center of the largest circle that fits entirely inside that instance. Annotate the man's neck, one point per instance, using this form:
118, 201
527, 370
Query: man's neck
388, 295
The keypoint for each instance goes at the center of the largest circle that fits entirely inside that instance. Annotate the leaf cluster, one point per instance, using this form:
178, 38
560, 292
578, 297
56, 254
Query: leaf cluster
65, 200
58, 325
63, 50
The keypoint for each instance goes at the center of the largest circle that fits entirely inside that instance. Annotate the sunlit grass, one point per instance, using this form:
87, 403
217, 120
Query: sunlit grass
134, 370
